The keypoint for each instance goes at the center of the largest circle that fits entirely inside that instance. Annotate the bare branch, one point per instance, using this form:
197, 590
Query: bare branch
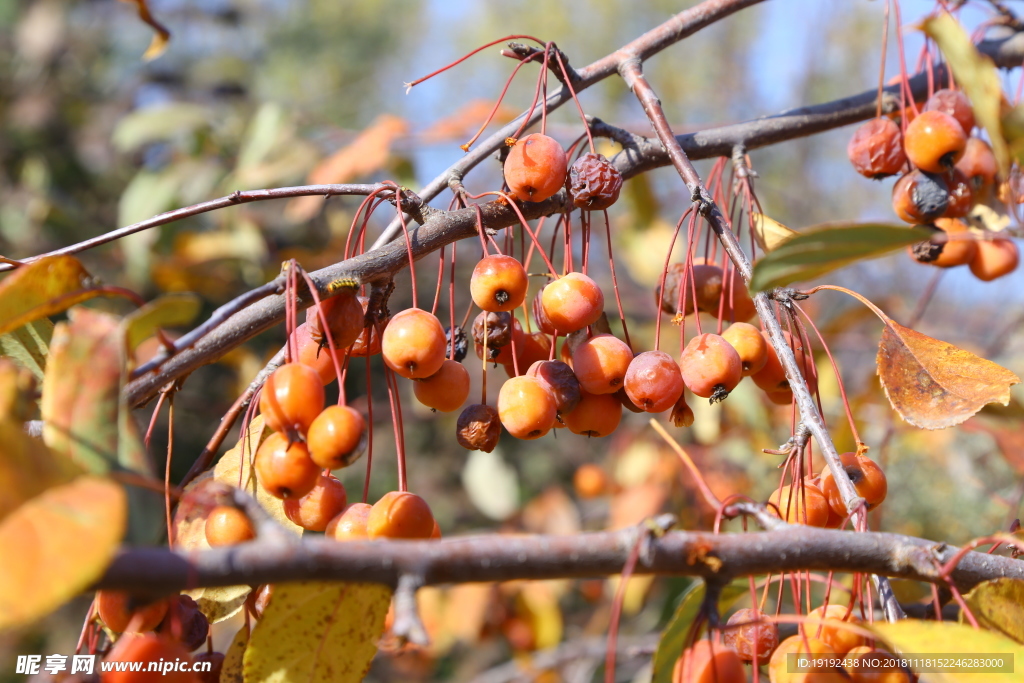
503, 558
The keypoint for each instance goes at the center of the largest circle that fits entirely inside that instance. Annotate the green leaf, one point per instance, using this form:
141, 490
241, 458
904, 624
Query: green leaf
317, 633
170, 310
977, 75
825, 248
29, 345
154, 124
945, 639
999, 606
674, 637
42, 288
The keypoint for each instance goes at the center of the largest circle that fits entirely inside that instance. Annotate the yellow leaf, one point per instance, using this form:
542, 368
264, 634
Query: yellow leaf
933, 384
999, 606
977, 75
317, 633
945, 639
234, 468
231, 670
42, 288
770, 233
56, 545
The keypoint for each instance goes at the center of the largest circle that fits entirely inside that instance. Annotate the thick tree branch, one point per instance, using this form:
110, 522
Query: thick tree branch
505, 558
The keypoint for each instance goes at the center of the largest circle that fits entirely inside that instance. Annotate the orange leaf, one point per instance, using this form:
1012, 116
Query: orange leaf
42, 288
56, 545
464, 122
162, 37
933, 384
366, 154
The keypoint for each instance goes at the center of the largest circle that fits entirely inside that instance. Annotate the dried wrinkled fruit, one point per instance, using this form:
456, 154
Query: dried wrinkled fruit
499, 331
478, 428
461, 343
933, 384
876, 149
185, 623
594, 182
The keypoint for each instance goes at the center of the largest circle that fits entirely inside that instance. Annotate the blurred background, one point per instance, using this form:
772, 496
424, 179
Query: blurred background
264, 93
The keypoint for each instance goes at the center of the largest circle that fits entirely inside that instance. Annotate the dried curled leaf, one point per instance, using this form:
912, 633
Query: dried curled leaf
162, 37
933, 384
769, 233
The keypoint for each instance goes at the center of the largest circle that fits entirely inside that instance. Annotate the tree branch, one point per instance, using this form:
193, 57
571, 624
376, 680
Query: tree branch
505, 558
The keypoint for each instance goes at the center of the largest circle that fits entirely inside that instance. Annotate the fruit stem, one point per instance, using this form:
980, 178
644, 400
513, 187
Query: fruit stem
409, 86
572, 92
875, 309
705, 490
881, 67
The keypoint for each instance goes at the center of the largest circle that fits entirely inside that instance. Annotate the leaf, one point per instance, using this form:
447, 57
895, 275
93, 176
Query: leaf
366, 154
933, 384
825, 248
234, 469
27, 467
29, 345
491, 484
231, 670
57, 545
998, 605
160, 40
976, 74
170, 310
42, 288
770, 234
317, 633
158, 123
946, 639
674, 637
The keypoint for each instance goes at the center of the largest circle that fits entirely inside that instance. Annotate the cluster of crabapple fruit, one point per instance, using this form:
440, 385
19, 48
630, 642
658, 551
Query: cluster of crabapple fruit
946, 171
309, 440
751, 637
168, 630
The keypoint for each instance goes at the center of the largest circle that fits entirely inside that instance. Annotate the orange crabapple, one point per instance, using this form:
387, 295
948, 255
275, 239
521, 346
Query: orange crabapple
561, 380
750, 345
954, 103
994, 258
572, 302
601, 362
318, 507
867, 478
806, 505
526, 407
446, 390
653, 381
953, 245
498, 283
934, 141
226, 525
400, 514
345, 320
596, 415
414, 344
119, 611
829, 623
779, 668
291, 398
284, 469
336, 437
710, 367
535, 168
349, 524
707, 662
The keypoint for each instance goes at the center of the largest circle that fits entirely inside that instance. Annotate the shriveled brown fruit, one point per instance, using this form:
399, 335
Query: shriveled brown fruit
961, 195
594, 183
734, 304
876, 149
478, 428
499, 332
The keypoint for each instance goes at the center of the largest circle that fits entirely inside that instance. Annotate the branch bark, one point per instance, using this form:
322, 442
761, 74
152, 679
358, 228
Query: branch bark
506, 558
